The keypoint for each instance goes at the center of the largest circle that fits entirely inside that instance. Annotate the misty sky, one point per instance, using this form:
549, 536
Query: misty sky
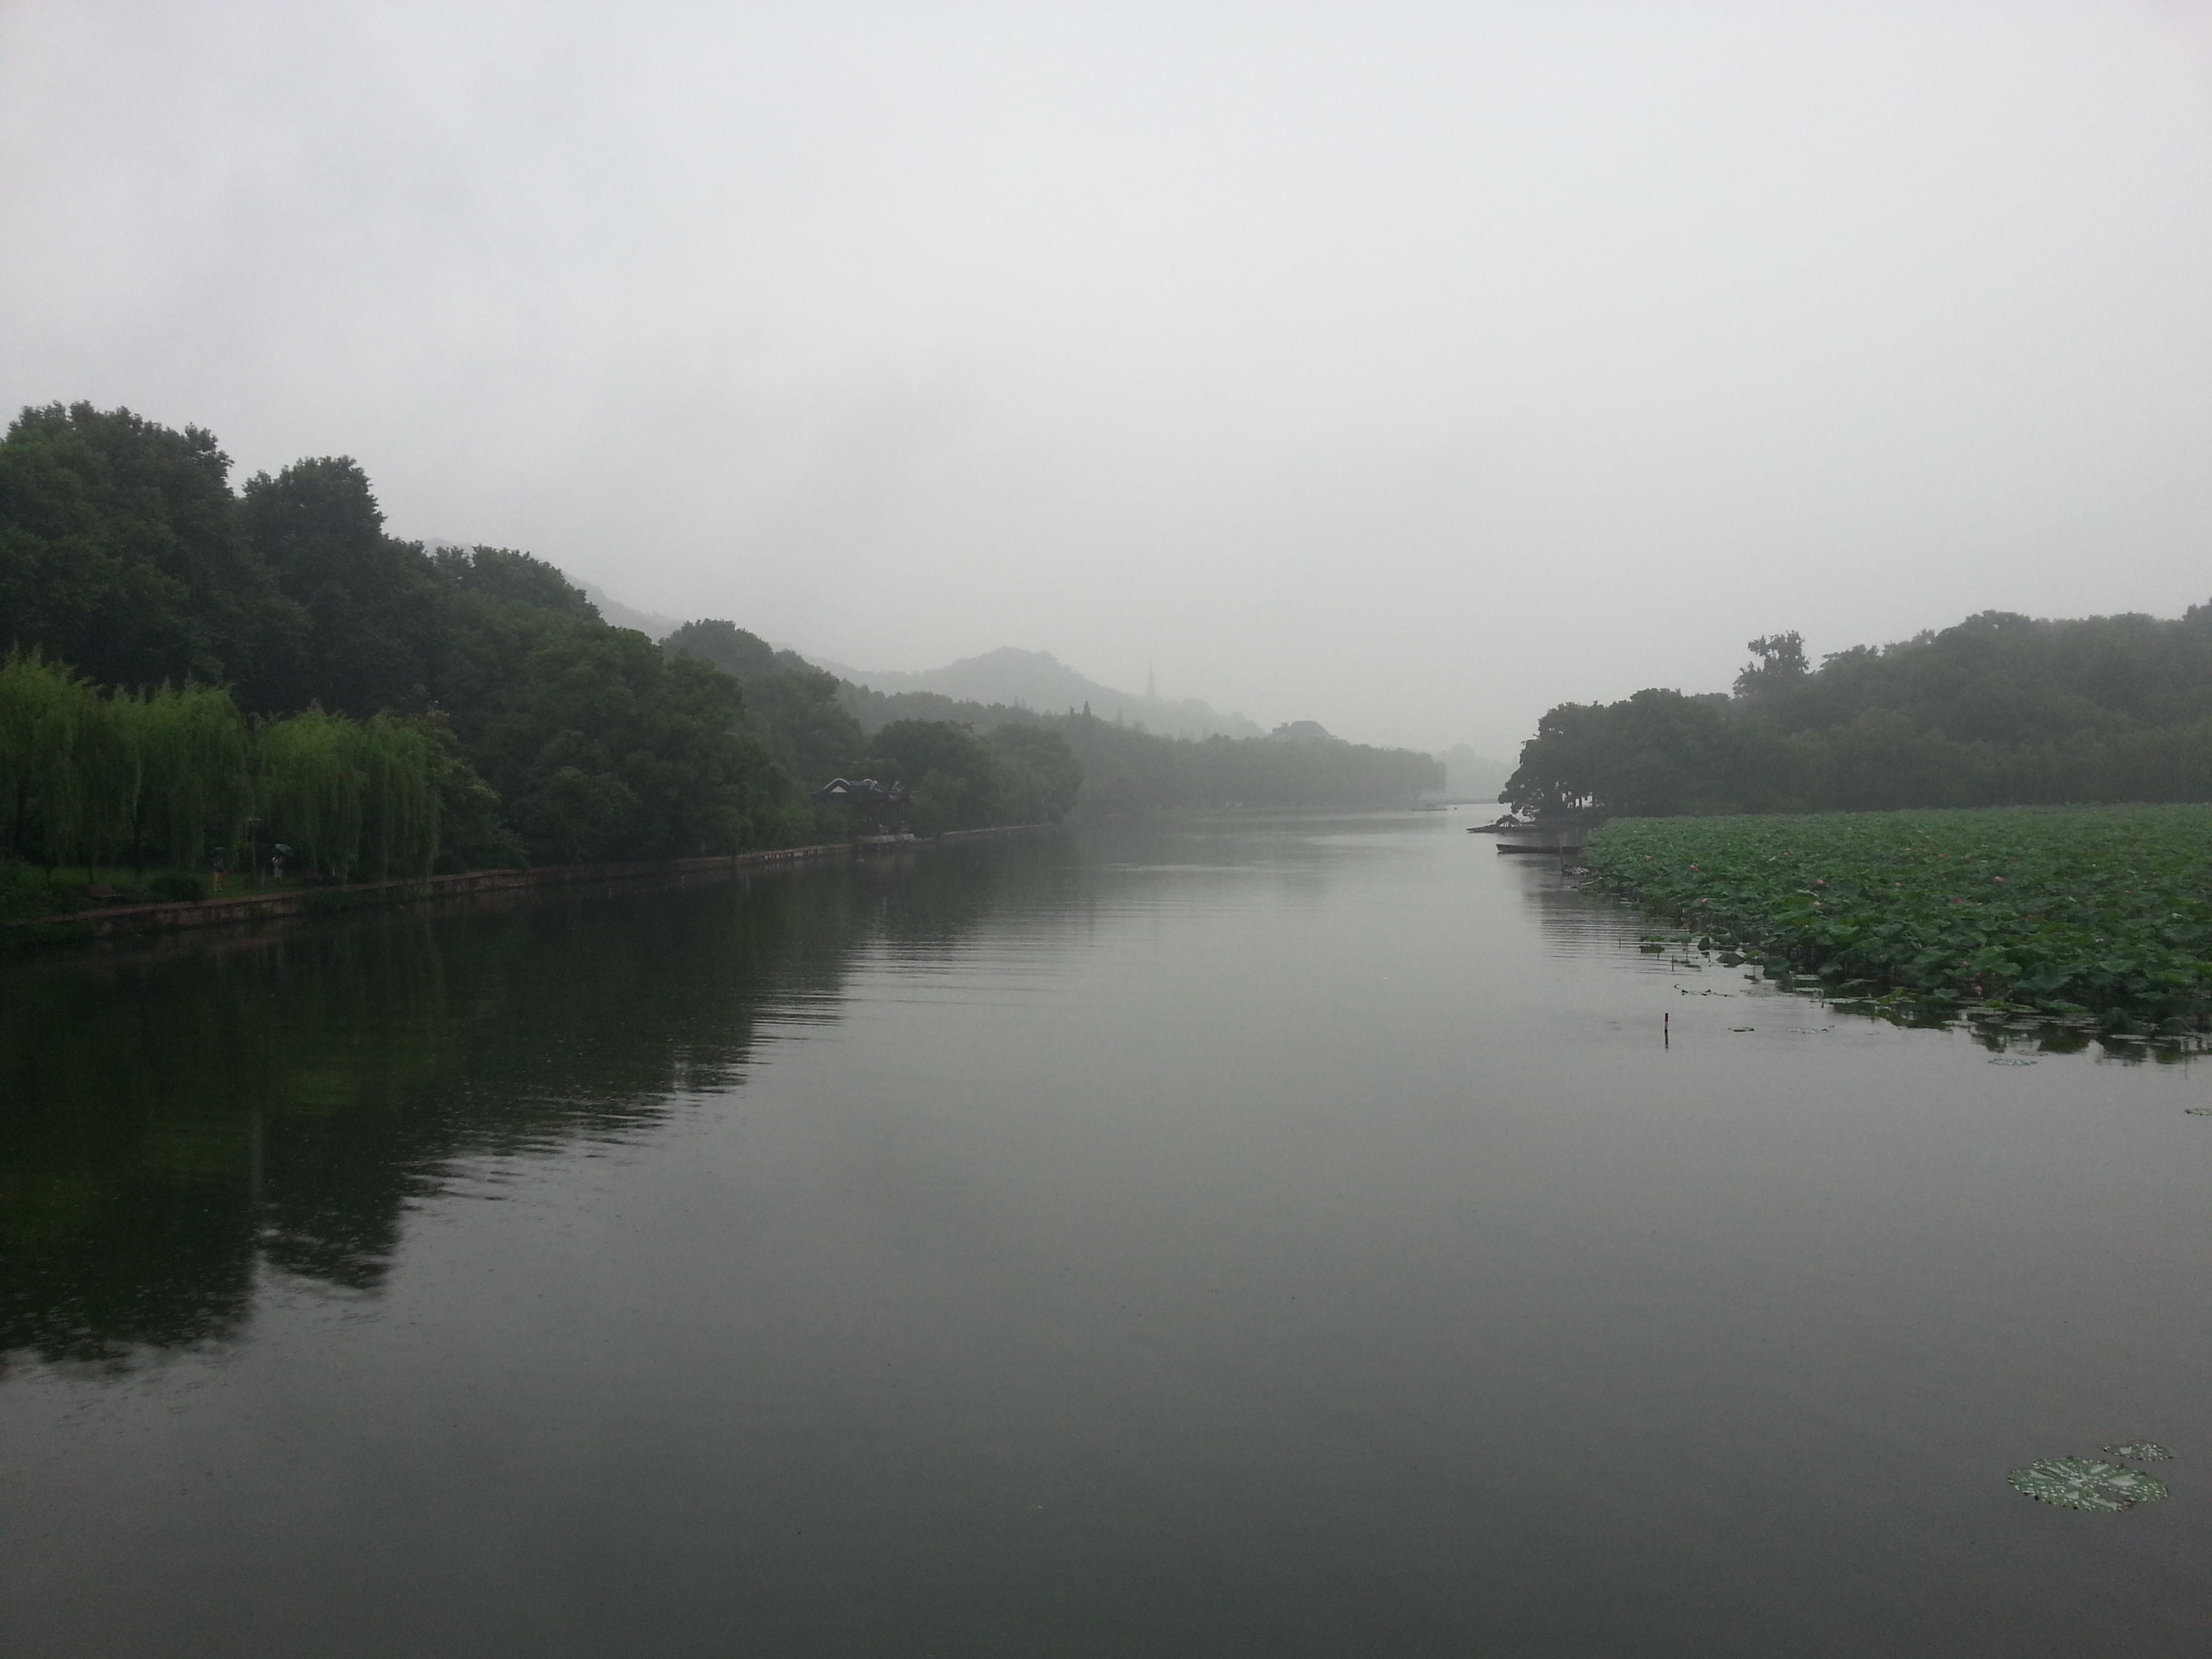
1408, 367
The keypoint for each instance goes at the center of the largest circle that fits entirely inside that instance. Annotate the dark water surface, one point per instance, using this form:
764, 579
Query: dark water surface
1247, 1238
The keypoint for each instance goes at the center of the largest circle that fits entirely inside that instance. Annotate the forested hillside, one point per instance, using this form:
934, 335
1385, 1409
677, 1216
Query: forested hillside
1037, 679
313, 657
2000, 710
1126, 768
961, 778
1123, 768
136, 588
127, 557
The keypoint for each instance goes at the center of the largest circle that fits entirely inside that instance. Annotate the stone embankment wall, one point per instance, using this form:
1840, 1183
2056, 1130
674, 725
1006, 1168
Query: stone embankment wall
116, 919
312, 901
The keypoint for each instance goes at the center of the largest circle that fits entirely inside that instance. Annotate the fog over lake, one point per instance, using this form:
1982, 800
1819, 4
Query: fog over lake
1406, 368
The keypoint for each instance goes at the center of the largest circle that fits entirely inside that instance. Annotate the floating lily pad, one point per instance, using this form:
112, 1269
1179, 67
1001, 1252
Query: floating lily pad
2141, 1488
2139, 1451
2084, 1483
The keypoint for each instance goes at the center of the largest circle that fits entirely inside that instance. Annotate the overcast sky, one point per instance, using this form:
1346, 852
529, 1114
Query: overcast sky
1408, 367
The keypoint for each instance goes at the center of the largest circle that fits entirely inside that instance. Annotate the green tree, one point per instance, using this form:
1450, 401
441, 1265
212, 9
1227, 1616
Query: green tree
472, 830
42, 712
401, 707
2000, 709
120, 555
605, 749
794, 706
189, 748
503, 576
1654, 754
357, 798
951, 771
798, 716
743, 655
1038, 775
371, 601
1780, 662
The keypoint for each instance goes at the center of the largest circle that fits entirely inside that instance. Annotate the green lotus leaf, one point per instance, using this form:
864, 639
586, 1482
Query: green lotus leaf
2138, 1451
2084, 1483
2101, 914
2141, 1488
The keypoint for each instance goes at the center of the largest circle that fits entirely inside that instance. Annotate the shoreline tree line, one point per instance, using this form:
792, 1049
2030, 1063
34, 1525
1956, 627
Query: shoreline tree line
2001, 710
1122, 768
128, 778
189, 663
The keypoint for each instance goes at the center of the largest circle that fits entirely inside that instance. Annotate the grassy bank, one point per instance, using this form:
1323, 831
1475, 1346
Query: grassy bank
2100, 913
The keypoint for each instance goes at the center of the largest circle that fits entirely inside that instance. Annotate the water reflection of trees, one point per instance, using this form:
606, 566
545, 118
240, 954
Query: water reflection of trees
179, 1117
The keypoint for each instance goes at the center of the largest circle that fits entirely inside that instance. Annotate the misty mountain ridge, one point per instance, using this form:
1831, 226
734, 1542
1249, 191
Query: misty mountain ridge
651, 624
1039, 680
1015, 677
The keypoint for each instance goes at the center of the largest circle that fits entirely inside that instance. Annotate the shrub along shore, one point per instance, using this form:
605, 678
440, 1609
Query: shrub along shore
2098, 916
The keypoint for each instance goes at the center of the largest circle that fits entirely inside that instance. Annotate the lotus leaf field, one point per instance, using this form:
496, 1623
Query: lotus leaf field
2084, 1483
2096, 914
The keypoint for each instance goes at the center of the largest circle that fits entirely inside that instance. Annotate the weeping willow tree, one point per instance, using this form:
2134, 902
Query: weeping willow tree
87, 777
42, 712
159, 777
105, 767
168, 775
352, 796
194, 784
400, 816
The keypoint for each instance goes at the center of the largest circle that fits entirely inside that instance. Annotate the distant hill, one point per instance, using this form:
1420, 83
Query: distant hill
1034, 680
1039, 680
651, 624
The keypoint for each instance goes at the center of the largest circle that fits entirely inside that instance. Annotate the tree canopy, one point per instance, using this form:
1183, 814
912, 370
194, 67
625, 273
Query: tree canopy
547, 734
1125, 769
2001, 709
130, 565
122, 553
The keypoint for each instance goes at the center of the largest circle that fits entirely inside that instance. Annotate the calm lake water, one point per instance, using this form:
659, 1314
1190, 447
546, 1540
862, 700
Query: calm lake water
1250, 1237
